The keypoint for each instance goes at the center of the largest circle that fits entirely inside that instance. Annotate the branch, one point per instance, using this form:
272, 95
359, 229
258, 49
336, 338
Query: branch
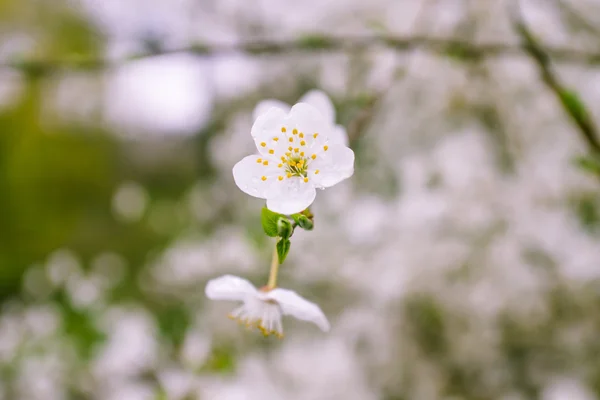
569, 100
456, 48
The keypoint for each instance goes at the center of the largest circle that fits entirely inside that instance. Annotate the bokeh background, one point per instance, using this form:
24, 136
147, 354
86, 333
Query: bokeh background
461, 261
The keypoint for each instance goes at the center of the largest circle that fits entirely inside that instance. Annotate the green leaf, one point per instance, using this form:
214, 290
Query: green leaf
269, 220
283, 248
574, 105
590, 164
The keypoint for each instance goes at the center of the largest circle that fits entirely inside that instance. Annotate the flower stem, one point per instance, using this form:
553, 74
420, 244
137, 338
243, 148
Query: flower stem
274, 270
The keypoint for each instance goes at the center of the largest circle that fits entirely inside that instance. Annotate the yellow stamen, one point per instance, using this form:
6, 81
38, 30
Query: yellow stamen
280, 178
313, 156
302, 143
291, 139
290, 148
289, 175
301, 135
276, 139
264, 178
302, 153
315, 135
273, 151
283, 129
295, 131
325, 148
305, 179
288, 154
279, 165
263, 144
259, 160
265, 162
296, 149
316, 172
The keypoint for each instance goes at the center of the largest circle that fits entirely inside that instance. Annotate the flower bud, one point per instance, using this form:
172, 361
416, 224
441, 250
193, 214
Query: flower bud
284, 228
305, 223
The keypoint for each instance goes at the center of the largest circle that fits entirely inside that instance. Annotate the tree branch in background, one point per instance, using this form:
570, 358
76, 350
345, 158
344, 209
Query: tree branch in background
459, 49
569, 100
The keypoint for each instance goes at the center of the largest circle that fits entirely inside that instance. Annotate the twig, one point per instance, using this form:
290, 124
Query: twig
459, 49
568, 99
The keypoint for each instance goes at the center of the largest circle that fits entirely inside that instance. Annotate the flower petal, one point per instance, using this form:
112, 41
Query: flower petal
334, 165
307, 119
298, 307
248, 176
229, 287
268, 124
321, 102
264, 106
291, 196
338, 135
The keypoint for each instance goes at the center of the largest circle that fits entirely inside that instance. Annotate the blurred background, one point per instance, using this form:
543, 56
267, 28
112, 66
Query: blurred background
461, 261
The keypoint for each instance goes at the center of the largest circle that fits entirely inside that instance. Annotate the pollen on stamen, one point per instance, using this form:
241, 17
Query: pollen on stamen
305, 179
263, 144
265, 162
325, 148
291, 139
271, 151
276, 138
259, 160
301, 135
264, 178
280, 177
283, 129
295, 131
279, 165
287, 153
302, 143
296, 149
302, 153
316, 172
315, 135
289, 175
290, 148
313, 156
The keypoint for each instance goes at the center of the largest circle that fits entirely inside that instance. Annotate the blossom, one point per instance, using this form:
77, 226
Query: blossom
317, 99
263, 308
296, 157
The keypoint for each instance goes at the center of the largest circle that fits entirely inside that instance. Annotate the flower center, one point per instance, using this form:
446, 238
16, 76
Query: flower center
295, 164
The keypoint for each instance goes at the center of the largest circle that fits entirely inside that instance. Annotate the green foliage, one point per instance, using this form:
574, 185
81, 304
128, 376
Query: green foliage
221, 360
315, 42
587, 209
574, 105
269, 221
173, 322
426, 320
589, 164
283, 248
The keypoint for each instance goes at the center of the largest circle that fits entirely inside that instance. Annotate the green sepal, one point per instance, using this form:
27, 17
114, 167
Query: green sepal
269, 220
283, 248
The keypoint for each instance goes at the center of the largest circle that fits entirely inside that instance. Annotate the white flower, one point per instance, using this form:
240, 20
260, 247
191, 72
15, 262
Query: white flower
317, 99
296, 157
264, 308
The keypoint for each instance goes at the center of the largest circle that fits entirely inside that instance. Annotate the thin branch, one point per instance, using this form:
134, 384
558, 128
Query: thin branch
456, 48
569, 100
